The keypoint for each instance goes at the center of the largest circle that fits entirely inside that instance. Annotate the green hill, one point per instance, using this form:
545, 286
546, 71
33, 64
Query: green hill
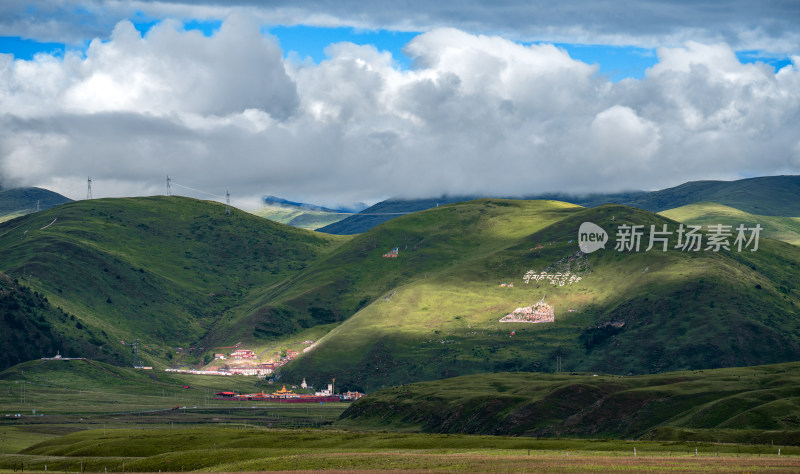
751, 404
385, 211
644, 312
354, 275
765, 196
176, 272
786, 229
20, 201
297, 216
33, 328
163, 269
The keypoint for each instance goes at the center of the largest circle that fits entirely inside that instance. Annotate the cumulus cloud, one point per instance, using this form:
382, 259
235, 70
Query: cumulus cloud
167, 71
475, 114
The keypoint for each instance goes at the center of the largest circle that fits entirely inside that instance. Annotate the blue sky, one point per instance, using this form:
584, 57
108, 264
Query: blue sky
302, 42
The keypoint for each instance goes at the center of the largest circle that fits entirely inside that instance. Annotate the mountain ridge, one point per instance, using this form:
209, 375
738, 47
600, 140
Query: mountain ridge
767, 195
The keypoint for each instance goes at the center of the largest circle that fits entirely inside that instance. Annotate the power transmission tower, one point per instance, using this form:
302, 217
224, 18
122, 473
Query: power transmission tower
169, 187
37, 206
227, 202
89, 189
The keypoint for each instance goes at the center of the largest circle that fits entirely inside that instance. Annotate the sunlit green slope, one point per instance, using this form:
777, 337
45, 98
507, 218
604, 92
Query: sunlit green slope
163, 269
711, 213
631, 312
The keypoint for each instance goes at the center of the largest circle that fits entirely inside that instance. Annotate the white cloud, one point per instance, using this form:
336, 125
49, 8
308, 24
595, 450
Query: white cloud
476, 114
623, 140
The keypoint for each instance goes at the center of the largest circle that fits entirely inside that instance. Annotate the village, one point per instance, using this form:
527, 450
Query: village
244, 362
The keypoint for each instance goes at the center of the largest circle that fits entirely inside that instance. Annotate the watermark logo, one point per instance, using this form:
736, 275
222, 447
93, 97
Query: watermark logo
591, 237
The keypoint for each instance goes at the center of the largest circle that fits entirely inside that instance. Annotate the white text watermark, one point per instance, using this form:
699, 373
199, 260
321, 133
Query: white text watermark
690, 238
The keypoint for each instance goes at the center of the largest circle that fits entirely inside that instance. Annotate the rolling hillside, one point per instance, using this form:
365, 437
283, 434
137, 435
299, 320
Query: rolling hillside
295, 214
766, 196
632, 312
298, 217
20, 201
385, 211
355, 274
746, 405
33, 328
786, 229
176, 272
163, 269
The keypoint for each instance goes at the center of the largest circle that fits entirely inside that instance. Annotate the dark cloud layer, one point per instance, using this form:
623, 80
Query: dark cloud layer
747, 25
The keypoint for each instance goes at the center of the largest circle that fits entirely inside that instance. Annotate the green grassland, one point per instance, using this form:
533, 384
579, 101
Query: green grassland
163, 269
74, 395
12, 215
95, 417
58, 387
45, 399
297, 216
763, 196
32, 327
786, 229
739, 405
677, 310
20, 201
354, 275
185, 278
221, 450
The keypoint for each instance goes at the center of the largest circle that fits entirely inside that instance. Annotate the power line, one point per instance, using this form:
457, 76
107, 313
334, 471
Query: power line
197, 190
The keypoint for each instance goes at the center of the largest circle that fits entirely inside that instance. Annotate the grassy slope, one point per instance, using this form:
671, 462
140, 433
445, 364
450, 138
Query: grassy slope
175, 271
20, 201
752, 404
680, 310
297, 216
755, 404
227, 450
33, 328
387, 210
786, 229
768, 195
58, 387
164, 269
355, 274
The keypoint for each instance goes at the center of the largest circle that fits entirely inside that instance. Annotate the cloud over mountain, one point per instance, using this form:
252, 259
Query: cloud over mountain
474, 114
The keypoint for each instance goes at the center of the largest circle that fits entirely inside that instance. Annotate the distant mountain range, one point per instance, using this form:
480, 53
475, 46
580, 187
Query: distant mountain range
765, 196
20, 201
285, 202
303, 215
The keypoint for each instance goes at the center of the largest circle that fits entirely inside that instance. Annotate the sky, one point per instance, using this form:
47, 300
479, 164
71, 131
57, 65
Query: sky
335, 103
